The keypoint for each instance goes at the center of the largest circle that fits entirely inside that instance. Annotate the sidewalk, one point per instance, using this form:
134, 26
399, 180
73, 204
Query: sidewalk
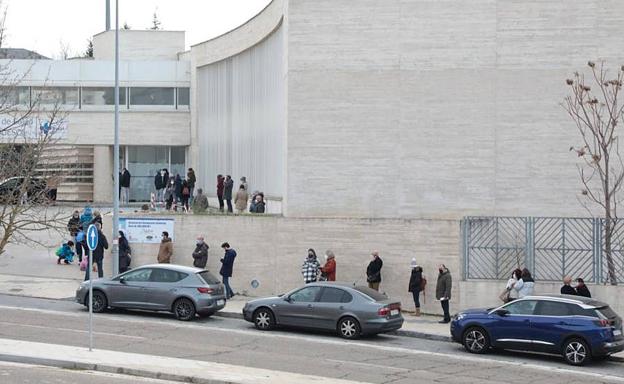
156, 367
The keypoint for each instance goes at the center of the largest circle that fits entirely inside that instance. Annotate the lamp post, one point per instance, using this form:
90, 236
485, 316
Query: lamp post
115, 249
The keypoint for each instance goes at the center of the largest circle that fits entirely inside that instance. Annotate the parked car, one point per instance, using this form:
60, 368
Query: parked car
10, 190
350, 310
576, 327
185, 291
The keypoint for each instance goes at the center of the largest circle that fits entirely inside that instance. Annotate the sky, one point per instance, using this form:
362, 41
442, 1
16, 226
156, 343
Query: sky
45, 25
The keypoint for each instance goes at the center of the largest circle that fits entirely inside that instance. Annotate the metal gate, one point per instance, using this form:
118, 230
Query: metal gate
550, 247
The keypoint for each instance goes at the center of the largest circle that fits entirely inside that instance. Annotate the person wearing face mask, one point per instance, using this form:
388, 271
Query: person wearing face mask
581, 288
165, 251
310, 268
200, 254
443, 291
373, 271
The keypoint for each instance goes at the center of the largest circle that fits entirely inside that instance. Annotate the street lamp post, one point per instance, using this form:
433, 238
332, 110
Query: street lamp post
115, 249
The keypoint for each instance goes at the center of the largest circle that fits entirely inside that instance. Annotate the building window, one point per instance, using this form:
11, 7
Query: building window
152, 96
102, 96
14, 96
52, 96
183, 96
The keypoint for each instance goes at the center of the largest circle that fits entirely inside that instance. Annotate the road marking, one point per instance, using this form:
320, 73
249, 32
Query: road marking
341, 343
72, 330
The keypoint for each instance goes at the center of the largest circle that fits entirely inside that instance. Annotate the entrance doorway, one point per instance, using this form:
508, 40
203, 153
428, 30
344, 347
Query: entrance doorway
144, 162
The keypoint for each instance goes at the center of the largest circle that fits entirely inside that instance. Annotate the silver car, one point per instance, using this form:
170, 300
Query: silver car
347, 309
185, 291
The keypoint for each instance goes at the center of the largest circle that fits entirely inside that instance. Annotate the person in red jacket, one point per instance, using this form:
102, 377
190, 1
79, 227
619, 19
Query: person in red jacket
328, 271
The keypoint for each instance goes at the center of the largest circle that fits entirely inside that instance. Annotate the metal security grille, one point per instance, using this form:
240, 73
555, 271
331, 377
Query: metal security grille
551, 247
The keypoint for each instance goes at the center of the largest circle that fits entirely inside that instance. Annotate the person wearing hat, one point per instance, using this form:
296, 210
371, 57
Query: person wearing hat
415, 284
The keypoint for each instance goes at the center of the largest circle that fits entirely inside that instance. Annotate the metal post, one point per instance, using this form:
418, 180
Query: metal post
108, 15
116, 150
90, 266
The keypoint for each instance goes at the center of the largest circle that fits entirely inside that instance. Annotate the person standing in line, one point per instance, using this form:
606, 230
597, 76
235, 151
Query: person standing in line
240, 201
258, 205
191, 179
566, 288
220, 180
169, 195
124, 183
186, 195
227, 268
98, 252
443, 291
200, 254
581, 288
165, 251
228, 186
525, 285
243, 181
373, 271
159, 185
125, 253
178, 188
200, 202
310, 268
328, 271
416, 280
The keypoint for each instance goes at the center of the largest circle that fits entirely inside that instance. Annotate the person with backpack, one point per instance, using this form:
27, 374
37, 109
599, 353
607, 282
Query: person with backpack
417, 284
186, 195
65, 253
125, 253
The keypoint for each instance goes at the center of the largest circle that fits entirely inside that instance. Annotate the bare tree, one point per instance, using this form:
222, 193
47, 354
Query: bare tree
64, 50
597, 114
4, 9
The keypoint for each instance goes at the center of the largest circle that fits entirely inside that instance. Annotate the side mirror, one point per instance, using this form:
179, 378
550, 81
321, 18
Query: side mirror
122, 280
502, 312
287, 299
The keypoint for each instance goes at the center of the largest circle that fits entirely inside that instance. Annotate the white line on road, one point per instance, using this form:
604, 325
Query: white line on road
71, 330
345, 343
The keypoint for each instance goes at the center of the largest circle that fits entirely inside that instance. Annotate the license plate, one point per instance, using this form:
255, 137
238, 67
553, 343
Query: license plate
394, 312
617, 332
220, 302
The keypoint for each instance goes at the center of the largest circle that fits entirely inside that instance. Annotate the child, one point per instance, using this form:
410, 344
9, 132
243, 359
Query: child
65, 253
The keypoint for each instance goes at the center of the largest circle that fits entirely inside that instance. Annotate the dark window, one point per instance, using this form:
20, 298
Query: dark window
521, 307
102, 96
372, 293
607, 312
333, 295
208, 277
160, 275
138, 275
152, 96
577, 310
553, 308
183, 96
305, 295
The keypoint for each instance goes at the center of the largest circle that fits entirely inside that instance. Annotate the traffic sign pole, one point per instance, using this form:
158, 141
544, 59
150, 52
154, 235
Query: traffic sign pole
116, 168
92, 242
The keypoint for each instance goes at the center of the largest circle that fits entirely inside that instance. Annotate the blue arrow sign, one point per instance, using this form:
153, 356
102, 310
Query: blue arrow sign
92, 237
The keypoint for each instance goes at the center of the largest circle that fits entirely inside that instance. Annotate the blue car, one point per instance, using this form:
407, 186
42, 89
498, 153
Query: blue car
576, 327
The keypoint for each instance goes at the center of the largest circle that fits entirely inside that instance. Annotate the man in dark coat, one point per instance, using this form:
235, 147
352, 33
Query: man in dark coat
200, 254
220, 180
228, 186
160, 183
567, 289
124, 183
581, 288
227, 268
373, 271
443, 291
98, 253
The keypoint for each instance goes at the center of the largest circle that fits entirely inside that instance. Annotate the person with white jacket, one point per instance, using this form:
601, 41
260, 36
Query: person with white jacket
525, 285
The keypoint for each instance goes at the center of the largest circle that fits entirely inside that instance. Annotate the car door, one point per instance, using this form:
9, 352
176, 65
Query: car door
553, 322
130, 289
513, 330
299, 308
163, 288
332, 303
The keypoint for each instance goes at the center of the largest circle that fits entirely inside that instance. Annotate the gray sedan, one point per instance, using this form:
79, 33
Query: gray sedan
185, 291
347, 309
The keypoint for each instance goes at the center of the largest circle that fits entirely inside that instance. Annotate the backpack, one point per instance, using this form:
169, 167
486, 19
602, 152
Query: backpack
186, 191
80, 237
59, 251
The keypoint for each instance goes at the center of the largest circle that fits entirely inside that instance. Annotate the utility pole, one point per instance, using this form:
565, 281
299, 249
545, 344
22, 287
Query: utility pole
116, 150
108, 15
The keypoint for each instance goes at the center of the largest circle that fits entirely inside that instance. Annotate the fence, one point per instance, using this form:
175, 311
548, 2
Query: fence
551, 247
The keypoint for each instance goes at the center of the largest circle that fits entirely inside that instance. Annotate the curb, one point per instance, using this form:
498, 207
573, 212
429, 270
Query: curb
66, 364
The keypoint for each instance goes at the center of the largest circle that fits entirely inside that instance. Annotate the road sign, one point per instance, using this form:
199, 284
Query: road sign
92, 237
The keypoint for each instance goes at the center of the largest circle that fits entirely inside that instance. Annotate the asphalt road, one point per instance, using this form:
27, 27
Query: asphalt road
11, 373
380, 359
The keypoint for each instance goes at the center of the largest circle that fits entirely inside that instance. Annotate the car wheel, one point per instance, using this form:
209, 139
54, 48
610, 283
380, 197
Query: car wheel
576, 352
100, 303
349, 328
476, 340
184, 309
263, 319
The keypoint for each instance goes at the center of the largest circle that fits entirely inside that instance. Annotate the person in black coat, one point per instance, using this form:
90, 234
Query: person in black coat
581, 288
124, 184
178, 187
227, 268
98, 253
415, 284
373, 271
228, 186
566, 288
125, 253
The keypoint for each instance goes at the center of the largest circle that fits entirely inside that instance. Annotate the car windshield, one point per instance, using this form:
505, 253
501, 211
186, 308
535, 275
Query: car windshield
371, 293
208, 277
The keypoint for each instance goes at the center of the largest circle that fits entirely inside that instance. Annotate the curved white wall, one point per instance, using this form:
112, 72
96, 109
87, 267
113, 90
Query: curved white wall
241, 117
